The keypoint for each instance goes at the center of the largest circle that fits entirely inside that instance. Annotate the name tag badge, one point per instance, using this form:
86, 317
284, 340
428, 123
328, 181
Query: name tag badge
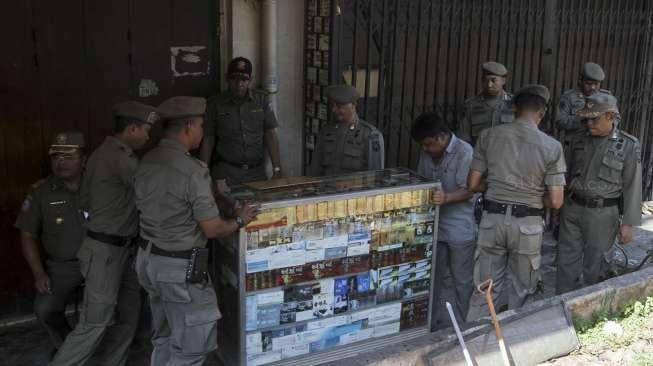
59, 220
57, 203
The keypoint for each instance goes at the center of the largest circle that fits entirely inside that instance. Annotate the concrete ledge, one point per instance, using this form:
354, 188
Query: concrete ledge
610, 294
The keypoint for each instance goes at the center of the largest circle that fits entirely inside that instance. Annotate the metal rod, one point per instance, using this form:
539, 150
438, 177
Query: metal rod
468, 358
370, 20
354, 67
380, 121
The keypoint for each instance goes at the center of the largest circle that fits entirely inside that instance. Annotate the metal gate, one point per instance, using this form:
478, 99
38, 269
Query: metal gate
410, 56
64, 64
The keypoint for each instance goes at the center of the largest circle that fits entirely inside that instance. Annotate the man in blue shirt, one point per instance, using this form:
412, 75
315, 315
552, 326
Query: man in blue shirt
446, 158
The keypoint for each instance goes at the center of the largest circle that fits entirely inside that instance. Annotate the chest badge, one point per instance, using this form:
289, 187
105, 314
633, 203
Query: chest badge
59, 220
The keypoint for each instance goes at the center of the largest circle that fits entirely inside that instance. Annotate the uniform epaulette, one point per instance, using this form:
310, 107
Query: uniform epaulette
472, 99
38, 183
370, 126
198, 161
628, 136
570, 91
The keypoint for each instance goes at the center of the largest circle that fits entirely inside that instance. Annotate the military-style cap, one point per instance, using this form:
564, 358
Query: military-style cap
239, 65
597, 104
535, 89
592, 71
182, 107
494, 68
342, 93
133, 110
67, 142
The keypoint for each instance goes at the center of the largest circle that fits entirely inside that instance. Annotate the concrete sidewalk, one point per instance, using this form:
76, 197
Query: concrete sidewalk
27, 344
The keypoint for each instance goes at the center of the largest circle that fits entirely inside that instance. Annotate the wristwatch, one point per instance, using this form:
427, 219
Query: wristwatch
276, 169
240, 222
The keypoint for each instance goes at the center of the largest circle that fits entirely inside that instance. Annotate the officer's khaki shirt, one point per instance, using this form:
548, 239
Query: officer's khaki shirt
483, 112
239, 126
341, 149
51, 214
107, 191
173, 194
608, 167
520, 161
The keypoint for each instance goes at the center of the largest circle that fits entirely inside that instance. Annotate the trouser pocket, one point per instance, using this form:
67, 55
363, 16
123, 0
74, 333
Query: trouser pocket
200, 331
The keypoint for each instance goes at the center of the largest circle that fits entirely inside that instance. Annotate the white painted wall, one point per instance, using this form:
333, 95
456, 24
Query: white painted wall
245, 38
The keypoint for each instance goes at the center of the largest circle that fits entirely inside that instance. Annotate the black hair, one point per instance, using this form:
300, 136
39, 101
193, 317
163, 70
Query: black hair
530, 102
121, 123
429, 124
174, 126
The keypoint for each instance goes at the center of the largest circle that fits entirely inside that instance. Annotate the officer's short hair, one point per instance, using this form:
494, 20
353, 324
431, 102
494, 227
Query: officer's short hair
529, 102
430, 124
175, 126
121, 123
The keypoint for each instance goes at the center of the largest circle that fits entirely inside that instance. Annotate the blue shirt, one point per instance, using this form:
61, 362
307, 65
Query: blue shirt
457, 224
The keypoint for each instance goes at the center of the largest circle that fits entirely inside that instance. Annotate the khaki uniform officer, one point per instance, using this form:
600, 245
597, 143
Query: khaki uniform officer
523, 170
349, 145
240, 124
111, 295
573, 100
178, 215
51, 214
605, 173
491, 107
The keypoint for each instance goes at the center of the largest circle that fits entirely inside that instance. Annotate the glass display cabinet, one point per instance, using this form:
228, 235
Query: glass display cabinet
330, 264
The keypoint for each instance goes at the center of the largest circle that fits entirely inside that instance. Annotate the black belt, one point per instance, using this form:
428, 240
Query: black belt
243, 166
517, 210
594, 202
115, 240
181, 254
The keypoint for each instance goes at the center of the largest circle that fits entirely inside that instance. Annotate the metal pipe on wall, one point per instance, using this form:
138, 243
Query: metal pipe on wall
269, 50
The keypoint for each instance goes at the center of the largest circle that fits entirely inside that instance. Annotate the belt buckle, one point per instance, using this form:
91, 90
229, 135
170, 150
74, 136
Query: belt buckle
595, 202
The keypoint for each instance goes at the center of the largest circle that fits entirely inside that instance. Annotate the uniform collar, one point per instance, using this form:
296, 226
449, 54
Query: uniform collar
57, 184
172, 144
353, 127
453, 142
116, 141
231, 97
530, 124
498, 97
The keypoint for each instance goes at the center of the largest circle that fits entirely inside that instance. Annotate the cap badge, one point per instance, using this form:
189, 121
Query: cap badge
152, 117
590, 105
61, 139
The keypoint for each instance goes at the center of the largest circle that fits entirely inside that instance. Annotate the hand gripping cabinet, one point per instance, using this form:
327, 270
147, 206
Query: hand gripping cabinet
330, 265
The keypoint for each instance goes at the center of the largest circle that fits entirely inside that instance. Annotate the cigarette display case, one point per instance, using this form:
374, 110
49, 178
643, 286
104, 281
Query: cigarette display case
330, 265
